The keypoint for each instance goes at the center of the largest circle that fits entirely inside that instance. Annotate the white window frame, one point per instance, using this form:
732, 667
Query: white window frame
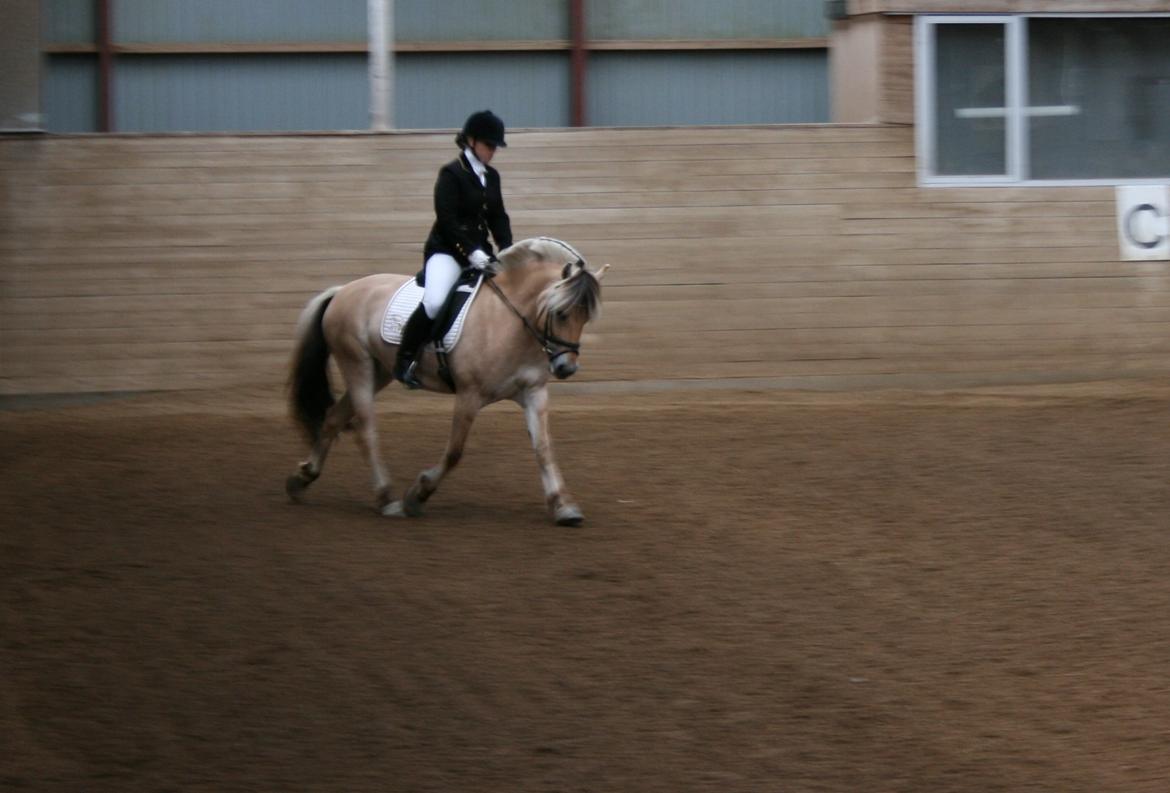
1016, 98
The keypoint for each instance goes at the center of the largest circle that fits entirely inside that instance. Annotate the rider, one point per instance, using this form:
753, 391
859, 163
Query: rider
468, 204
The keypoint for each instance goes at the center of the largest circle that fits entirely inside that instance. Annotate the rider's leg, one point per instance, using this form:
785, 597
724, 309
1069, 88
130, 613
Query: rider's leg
442, 271
414, 334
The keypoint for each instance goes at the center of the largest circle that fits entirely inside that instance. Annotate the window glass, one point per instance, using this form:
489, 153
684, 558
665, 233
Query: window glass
970, 100
1098, 98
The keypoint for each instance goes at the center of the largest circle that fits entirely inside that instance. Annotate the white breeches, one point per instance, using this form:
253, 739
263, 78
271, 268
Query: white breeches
442, 271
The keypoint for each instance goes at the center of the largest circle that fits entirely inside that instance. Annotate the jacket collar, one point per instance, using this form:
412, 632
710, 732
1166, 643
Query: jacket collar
477, 167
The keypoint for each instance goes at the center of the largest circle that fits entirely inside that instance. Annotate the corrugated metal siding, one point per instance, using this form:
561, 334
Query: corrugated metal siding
68, 21
327, 91
481, 20
232, 20
227, 93
702, 19
641, 89
427, 20
69, 94
525, 89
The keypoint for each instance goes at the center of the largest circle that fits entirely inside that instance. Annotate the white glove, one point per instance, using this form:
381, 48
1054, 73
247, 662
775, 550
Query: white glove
479, 260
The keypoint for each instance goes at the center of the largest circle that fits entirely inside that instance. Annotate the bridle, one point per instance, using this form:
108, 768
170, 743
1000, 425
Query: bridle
554, 346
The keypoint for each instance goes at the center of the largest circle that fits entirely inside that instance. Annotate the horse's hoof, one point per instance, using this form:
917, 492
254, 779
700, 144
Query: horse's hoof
394, 510
569, 516
294, 486
412, 506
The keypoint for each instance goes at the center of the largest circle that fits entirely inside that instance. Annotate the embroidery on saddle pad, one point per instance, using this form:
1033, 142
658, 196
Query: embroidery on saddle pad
407, 298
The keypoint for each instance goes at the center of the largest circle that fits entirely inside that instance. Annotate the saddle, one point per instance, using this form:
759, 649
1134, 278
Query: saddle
448, 325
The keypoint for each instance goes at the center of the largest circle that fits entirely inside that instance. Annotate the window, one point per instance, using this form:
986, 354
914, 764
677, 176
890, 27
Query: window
1043, 98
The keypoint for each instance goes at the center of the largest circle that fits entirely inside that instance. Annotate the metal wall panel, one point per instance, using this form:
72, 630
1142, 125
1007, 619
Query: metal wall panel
438, 91
529, 89
703, 19
227, 93
481, 20
429, 20
233, 20
68, 21
338, 20
759, 87
69, 95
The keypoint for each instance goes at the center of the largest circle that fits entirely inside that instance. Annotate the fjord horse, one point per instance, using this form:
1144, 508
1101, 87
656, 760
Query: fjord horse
525, 324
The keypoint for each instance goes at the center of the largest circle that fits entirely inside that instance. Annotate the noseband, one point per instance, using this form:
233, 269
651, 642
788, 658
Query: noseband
554, 346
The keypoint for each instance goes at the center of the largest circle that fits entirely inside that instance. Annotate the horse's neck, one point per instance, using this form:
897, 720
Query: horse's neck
524, 285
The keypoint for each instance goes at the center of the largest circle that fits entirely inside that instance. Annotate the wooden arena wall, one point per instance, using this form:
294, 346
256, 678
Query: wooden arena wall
804, 256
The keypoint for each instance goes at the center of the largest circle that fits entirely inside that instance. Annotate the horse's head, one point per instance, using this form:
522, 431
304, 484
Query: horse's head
569, 297
566, 306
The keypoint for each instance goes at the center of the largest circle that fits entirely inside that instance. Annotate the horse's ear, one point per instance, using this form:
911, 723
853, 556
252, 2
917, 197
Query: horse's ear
566, 272
601, 273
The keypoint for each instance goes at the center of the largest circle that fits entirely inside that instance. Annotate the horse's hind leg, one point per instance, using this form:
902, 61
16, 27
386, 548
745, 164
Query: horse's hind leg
466, 408
308, 471
364, 378
560, 503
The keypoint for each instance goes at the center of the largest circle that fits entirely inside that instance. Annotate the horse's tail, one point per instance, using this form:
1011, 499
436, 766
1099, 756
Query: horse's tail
310, 395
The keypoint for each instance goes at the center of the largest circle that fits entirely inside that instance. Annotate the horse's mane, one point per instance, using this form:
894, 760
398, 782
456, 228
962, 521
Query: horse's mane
579, 289
548, 249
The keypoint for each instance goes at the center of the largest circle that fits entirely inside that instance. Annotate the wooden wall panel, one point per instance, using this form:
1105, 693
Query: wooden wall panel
897, 70
806, 254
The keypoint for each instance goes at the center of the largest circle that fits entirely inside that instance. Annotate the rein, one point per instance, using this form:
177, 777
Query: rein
553, 345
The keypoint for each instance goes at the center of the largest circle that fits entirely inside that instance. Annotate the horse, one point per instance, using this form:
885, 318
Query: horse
525, 326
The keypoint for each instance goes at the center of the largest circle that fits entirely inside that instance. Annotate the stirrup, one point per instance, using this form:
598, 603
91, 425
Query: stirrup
408, 376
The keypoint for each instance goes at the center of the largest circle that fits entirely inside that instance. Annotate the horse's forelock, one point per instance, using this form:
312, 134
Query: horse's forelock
580, 290
577, 289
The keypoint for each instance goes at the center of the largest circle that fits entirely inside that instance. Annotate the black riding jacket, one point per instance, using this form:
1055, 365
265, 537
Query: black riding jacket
466, 211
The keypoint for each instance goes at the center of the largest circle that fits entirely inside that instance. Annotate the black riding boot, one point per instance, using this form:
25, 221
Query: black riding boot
414, 335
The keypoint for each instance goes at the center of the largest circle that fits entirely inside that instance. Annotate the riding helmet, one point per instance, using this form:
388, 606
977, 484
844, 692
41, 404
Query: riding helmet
485, 126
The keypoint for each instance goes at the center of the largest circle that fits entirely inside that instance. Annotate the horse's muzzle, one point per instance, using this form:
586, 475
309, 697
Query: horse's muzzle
563, 367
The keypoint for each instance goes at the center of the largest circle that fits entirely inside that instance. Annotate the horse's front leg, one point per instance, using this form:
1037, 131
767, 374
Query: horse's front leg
560, 503
467, 406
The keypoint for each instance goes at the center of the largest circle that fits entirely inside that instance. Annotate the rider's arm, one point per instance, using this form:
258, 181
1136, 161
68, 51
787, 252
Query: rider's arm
497, 216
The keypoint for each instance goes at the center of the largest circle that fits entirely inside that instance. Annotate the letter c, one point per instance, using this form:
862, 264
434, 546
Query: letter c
1129, 227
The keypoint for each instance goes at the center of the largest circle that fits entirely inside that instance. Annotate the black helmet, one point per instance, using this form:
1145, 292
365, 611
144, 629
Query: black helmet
485, 126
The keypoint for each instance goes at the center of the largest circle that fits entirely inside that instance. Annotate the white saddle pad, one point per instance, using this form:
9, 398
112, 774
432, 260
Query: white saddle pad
406, 300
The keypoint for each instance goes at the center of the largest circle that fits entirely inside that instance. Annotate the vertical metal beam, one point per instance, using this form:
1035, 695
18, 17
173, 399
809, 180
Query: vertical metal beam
380, 18
577, 62
1016, 97
105, 49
